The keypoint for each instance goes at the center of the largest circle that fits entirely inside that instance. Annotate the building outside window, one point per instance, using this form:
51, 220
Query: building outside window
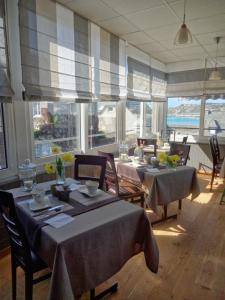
3, 155
183, 118
102, 124
214, 120
55, 124
138, 120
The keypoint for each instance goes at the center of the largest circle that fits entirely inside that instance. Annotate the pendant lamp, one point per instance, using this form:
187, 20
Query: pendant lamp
216, 75
183, 35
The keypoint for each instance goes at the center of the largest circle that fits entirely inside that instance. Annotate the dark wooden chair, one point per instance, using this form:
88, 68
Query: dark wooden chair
184, 141
217, 160
182, 150
148, 142
92, 163
119, 187
21, 253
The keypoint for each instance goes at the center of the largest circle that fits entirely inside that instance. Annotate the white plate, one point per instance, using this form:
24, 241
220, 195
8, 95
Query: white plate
85, 191
35, 206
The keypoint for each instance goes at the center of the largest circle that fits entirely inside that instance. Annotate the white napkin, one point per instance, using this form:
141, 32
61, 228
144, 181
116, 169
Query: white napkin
153, 170
59, 220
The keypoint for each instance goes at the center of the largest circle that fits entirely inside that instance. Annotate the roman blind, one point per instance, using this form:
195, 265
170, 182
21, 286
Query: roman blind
6, 92
108, 65
54, 52
159, 83
138, 80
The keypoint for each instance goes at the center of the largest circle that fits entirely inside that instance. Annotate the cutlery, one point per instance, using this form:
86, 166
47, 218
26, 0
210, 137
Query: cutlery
44, 211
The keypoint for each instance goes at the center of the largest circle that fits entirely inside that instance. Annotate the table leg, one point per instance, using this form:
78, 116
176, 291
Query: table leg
112, 289
164, 217
180, 204
165, 211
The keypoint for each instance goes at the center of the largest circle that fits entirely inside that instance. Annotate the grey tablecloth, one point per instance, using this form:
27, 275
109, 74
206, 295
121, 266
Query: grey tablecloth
164, 186
94, 246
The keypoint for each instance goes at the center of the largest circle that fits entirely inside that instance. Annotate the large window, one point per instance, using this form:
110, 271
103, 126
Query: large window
214, 122
55, 124
183, 118
102, 124
3, 157
138, 120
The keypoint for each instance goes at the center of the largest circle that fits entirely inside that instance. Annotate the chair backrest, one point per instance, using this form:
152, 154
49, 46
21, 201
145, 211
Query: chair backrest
147, 142
95, 162
182, 150
184, 141
19, 245
111, 178
215, 150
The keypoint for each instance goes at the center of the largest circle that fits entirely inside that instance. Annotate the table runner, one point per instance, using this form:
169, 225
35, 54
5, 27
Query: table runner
72, 207
164, 186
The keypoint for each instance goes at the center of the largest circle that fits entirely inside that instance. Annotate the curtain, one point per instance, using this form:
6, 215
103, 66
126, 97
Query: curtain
6, 92
55, 52
108, 65
138, 80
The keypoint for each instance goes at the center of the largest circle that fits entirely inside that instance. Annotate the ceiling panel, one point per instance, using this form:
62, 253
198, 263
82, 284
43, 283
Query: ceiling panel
152, 47
130, 6
205, 25
118, 25
152, 18
137, 38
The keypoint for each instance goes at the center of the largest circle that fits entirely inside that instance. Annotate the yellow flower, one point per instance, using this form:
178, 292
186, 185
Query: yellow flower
56, 149
162, 157
49, 168
175, 158
68, 157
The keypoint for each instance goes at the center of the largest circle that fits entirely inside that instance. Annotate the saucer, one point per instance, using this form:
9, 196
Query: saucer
36, 206
85, 191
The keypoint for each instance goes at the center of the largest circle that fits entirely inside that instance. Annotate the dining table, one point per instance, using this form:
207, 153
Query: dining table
101, 234
162, 185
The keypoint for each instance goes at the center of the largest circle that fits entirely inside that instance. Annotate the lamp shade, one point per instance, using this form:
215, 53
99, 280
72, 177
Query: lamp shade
183, 36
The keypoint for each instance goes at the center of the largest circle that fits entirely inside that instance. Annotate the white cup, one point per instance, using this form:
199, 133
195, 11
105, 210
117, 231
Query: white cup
92, 186
39, 195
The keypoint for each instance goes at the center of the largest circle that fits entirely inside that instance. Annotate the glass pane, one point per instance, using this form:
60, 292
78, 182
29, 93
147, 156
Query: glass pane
133, 116
214, 117
102, 120
55, 123
3, 158
148, 119
183, 118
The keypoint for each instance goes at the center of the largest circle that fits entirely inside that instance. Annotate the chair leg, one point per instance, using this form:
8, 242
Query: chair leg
142, 201
165, 211
28, 285
180, 204
13, 268
212, 179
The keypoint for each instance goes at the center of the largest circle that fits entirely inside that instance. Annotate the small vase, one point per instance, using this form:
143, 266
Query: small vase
60, 175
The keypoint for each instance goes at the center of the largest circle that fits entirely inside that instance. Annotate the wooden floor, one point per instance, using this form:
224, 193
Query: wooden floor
192, 258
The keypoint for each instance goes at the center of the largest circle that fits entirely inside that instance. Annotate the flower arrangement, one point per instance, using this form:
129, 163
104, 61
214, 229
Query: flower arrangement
169, 160
59, 166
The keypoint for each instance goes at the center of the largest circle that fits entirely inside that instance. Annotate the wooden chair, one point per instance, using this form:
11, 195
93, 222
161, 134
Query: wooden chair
184, 141
91, 161
121, 188
21, 253
217, 161
182, 150
148, 142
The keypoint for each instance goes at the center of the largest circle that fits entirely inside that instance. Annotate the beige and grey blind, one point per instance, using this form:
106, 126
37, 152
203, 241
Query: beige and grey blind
159, 83
108, 65
6, 92
54, 52
138, 80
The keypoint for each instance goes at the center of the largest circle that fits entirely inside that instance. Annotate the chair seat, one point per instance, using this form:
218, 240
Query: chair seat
127, 191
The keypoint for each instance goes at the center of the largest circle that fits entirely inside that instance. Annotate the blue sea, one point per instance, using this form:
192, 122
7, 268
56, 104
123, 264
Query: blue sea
173, 120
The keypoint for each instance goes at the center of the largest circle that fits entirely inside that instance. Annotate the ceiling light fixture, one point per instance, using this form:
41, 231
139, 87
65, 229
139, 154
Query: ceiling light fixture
183, 35
216, 75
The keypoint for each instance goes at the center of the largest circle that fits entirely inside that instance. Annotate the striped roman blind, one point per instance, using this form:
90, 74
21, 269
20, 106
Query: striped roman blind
159, 84
54, 52
138, 80
108, 65
6, 92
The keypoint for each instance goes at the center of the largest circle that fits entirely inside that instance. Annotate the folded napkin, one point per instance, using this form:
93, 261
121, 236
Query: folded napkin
153, 170
59, 220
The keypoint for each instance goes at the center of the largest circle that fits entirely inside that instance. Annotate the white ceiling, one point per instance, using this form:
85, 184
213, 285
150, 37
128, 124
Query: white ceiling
151, 25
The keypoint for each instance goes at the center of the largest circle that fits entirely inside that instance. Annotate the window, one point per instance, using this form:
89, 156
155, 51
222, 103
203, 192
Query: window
3, 156
102, 124
55, 123
183, 118
138, 120
214, 122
